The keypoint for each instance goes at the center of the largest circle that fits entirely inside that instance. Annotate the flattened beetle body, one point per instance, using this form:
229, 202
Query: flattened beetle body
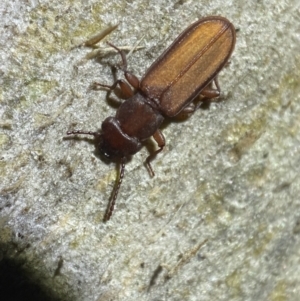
187, 69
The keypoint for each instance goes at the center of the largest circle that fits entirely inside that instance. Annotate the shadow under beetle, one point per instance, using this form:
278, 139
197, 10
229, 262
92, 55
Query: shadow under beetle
186, 69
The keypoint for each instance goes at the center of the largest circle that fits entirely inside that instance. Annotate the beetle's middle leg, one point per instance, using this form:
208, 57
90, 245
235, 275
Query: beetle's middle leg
131, 78
125, 88
161, 142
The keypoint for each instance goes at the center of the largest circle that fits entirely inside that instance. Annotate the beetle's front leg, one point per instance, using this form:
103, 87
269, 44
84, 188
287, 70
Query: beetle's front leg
161, 142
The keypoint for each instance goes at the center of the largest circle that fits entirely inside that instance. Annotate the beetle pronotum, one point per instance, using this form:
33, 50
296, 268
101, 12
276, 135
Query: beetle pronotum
187, 69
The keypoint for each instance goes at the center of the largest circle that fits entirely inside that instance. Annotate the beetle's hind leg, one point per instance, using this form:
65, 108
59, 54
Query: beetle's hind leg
161, 142
208, 94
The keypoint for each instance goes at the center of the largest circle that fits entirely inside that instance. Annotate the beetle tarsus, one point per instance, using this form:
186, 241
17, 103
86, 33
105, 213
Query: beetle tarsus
122, 54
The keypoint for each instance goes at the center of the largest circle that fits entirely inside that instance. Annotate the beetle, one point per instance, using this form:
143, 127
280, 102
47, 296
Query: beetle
187, 68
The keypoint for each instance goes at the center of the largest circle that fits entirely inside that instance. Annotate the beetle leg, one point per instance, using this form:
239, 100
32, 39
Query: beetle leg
209, 92
161, 142
187, 111
125, 88
131, 78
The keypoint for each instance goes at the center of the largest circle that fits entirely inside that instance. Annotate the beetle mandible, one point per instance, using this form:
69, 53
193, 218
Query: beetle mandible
185, 70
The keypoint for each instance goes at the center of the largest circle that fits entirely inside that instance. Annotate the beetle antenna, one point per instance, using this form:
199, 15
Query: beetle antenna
112, 202
95, 134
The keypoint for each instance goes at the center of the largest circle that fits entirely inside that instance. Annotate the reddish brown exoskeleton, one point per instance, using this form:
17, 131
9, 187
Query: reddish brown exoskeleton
187, 69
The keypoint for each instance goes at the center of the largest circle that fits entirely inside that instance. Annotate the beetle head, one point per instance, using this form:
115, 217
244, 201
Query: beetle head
114, 143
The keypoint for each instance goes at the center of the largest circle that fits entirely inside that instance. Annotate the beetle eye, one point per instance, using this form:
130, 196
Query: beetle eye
101, 147
105, 154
